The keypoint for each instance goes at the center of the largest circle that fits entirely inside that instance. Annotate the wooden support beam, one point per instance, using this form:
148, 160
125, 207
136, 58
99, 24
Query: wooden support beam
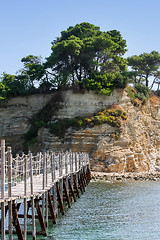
83, 180
80, 184
30, 216
76, 186
6, 209
71, 189
46, 210
40, 217
18, 206
60, 199
88, 175
51, 208
16, 222
25, 218
67, 184
10, 219
66, 193
55, 199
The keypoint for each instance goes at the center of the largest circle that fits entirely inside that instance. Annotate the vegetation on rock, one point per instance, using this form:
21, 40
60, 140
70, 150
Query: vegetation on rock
144, 67
139, 94
42, 119
111, 116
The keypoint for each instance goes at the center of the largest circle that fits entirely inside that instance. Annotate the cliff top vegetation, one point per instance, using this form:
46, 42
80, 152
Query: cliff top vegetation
85, 57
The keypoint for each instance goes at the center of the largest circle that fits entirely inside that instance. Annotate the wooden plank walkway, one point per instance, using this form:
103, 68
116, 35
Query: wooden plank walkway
43, 183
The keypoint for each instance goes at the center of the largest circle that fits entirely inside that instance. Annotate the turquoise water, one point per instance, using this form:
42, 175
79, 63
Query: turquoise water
112, 211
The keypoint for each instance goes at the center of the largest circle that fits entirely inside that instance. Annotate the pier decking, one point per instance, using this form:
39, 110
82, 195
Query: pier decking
40, 184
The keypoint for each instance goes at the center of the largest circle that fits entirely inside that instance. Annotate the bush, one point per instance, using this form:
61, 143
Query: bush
100, 83
141, 88
131, 92
124, 116
56, 128
140, 92
40, 123
97, 120
120, 80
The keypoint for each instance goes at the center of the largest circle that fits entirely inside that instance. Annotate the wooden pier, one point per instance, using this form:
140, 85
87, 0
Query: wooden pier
38, 188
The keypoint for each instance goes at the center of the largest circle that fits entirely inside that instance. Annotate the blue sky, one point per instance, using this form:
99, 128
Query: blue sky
29, 26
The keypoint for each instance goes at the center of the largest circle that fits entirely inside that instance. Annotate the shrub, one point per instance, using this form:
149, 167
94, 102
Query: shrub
111, 120
97, 120
40, 123
140, 92
120, 80
80, 123
59, 127
56, 128
124, 116
131, 92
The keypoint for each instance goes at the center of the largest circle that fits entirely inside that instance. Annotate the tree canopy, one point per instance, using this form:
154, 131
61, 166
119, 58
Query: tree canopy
84, 50
86, 57
144, 66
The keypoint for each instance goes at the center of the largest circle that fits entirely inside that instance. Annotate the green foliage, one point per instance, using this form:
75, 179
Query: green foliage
112, 117
142, 89
12, 86
120, 80
31, 136
43, 119
3, 91
140, 92
131, 92
105, 83
144, 66
33, 70
40, 123
82, 52
83, 55
100, 83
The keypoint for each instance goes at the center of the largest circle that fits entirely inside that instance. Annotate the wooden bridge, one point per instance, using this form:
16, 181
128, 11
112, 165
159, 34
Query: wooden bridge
37, 188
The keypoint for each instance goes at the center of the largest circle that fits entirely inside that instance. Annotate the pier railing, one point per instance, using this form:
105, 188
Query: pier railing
45, 177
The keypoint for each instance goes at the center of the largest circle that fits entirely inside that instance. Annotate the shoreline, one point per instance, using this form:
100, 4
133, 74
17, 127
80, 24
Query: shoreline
121, 177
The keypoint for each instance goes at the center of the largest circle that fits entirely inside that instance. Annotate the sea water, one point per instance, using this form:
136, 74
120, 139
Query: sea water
111, 211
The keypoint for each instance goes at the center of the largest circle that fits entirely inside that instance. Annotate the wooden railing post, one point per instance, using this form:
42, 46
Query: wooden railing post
60, 174
46, 182
72, 174
9, 158
54, 186
25, 197
66, 169
71, 167
3, 189
52, 168
32, 198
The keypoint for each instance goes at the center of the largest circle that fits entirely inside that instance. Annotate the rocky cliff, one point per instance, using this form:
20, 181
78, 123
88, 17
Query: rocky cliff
132, 147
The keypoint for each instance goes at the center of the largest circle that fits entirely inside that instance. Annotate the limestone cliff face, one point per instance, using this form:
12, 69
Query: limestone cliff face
138, 146
15, 118
16, 115
135, 147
